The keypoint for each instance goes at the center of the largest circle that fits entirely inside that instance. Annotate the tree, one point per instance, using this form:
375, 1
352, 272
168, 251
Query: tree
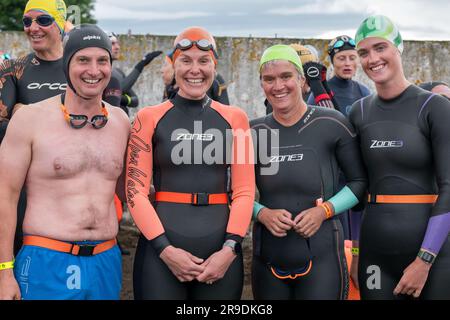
11, 12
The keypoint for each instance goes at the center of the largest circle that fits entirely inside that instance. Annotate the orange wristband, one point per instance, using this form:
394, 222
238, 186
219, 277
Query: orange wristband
328, 210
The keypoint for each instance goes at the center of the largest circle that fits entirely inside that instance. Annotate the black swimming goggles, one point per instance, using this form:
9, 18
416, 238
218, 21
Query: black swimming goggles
44, 20
202, 44
78, 121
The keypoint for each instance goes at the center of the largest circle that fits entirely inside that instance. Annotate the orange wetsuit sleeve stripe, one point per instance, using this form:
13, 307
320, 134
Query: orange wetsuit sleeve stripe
242, 169
140, 170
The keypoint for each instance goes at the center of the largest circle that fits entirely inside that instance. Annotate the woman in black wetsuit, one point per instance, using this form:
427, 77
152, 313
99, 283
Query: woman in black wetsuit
189, 147
405, 142
298, 240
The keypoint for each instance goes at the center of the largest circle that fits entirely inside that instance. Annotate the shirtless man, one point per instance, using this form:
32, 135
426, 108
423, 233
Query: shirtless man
69, 151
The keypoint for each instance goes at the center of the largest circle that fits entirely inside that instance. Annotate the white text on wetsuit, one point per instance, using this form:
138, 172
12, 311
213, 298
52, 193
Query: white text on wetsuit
386, 144
289, 158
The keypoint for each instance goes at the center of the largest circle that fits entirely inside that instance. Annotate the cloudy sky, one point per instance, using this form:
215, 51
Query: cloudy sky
417, 19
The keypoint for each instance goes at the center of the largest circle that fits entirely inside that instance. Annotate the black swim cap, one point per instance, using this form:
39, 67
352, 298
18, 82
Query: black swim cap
339, 44
81, 37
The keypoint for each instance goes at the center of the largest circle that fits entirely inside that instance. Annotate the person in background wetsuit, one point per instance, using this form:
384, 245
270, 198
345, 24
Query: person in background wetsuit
129, 99
437, 87
297, 239
191, 234
404, 138
36, 76
346, 91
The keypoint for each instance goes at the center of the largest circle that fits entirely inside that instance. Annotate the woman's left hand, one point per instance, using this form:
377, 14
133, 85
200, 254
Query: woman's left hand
216, 265
413, 279
309, 221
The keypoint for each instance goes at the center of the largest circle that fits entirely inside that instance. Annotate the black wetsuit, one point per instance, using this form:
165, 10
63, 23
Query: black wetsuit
308, 157
201, 230
27, 80
405, 142
129, 98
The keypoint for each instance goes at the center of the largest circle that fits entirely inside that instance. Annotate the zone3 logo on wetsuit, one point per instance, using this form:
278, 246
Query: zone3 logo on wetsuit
386, 144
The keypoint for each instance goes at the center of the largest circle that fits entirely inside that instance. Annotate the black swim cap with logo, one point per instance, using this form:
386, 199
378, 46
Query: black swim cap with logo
81, 37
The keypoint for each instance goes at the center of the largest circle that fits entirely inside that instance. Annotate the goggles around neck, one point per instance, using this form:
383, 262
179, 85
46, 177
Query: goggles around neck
202, 44
44, 20
78, 121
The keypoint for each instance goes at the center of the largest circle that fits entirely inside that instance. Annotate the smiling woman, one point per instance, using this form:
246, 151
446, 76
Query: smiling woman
191, 235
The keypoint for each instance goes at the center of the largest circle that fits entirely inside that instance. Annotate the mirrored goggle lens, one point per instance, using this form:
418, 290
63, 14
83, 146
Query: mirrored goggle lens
43, 21
99, 121
78, 121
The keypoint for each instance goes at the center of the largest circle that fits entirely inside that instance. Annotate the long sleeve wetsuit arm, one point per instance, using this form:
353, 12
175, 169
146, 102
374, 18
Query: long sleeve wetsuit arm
437, 115
139, 175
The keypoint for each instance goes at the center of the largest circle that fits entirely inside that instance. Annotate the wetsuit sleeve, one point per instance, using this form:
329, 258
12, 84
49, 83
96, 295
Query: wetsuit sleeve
8, 86
129, 99
112, 93
130, 80
349, 159
310, 100
437, 117
139, 175
364, 90
242, 177
219, 90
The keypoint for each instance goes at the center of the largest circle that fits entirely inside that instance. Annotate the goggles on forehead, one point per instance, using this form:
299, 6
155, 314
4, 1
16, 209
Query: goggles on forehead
43, 20
202, 44
342, 42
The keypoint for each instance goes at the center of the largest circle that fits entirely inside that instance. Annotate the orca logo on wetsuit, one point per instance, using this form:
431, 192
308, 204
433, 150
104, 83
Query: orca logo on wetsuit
386, 144
195, 136
288, 158
51, 86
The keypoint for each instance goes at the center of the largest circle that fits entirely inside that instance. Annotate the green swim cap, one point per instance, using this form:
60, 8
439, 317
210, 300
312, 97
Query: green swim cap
379, 26
281, 52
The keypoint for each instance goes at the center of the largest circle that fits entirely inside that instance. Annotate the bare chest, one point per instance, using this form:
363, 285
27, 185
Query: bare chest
71, 153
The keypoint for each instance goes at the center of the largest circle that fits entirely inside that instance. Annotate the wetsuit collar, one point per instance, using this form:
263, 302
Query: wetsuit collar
341, 83
191, 106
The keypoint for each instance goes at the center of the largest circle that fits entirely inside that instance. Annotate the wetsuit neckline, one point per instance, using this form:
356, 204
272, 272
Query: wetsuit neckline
295, 125
40, 60
390, 103
189, 106
341, 83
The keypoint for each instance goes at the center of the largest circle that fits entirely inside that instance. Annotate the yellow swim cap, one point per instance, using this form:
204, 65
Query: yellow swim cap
56, 8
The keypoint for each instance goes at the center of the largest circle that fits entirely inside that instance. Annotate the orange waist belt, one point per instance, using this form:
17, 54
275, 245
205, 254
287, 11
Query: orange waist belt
197, 199
84, 250
402, 198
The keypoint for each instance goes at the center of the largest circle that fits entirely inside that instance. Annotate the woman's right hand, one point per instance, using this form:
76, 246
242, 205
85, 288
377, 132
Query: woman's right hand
277, 221
184, 265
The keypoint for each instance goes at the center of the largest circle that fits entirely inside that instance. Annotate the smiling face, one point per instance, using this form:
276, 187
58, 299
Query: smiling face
90, 72
345, 63
381, 61
282, 85
42, 39
194, 73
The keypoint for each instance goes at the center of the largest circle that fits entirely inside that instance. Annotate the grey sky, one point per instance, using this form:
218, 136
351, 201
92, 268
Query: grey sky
417, 19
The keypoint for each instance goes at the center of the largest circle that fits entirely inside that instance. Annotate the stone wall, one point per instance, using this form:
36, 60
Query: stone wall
423, 61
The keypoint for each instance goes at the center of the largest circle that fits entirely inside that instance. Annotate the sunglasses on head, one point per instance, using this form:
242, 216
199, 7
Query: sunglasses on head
203, 44
78, 121
43, 20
